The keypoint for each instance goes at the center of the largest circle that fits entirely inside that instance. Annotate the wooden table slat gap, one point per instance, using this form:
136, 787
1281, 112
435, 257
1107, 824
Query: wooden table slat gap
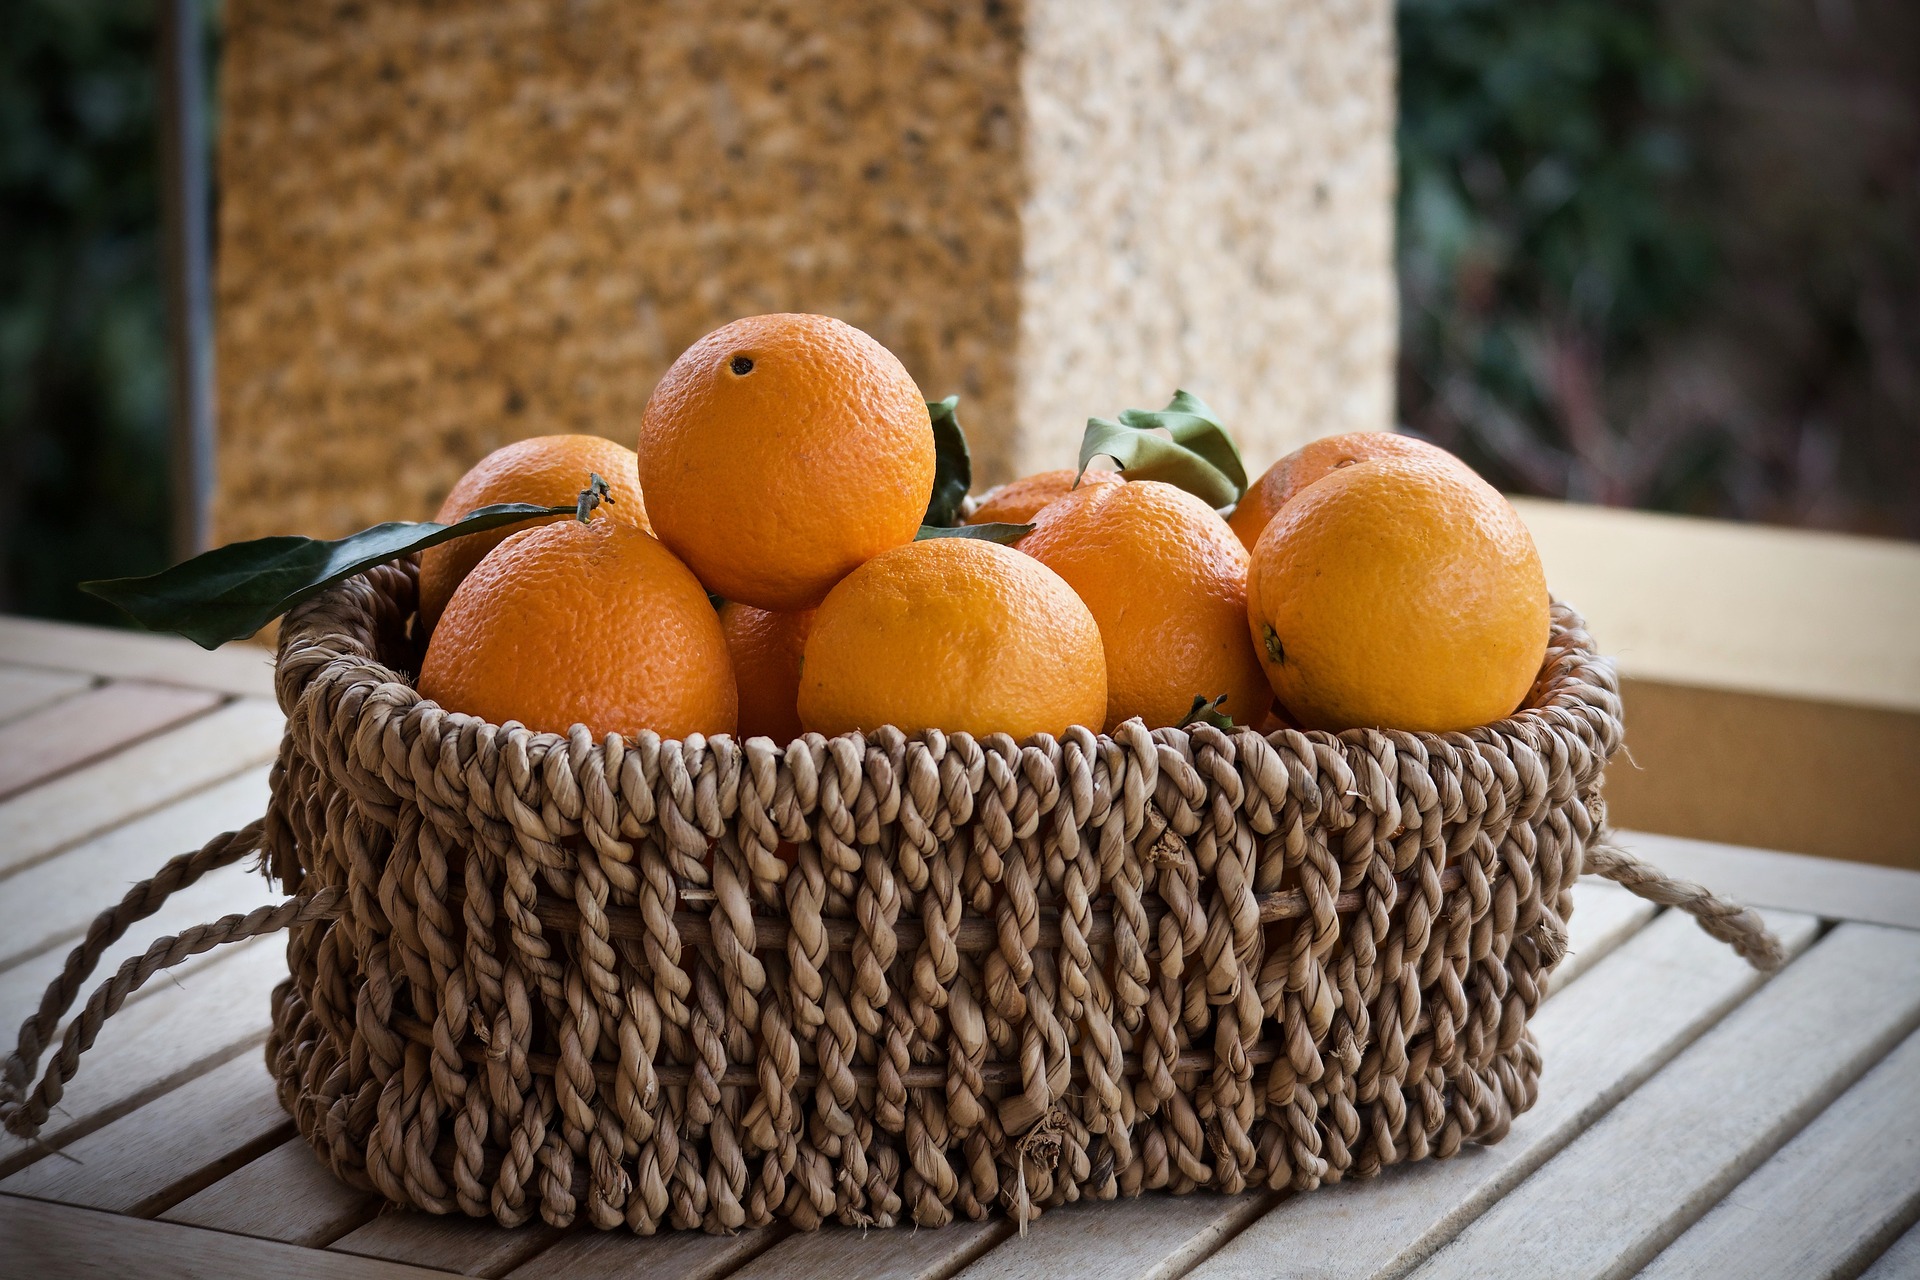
1668, 1152
847, 1253
56, 740
1901, 1261
56, 1239
1827, 887
90, 802
1827, 1203
470, 1246
24, 690
286, 1194
587, 1254
132, 655
138, 1163
52, 904
224, 1003
1600, 1039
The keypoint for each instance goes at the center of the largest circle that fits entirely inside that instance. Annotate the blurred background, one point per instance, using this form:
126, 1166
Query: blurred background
1662, 255
1624, 256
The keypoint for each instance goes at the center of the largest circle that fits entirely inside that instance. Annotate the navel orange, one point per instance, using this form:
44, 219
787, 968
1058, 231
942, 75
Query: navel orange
547, 470
1310, 462
766, 649
1166, 581
595, 624
1398, 593
1018, 501
954, 634
781, 451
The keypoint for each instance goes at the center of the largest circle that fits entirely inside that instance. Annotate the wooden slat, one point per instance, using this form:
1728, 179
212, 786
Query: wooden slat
1830, 1201
229, 889
469, 1246
174, 1144
54, 739
286, 1194
1901, 1261
131, 782
1604, 916
23, 689
1790, 881
843, 1253
586, 1254
1674, 1147
1147, 1238
60, 1240
1821, 615
178, 1031
1163, 1235
1599, 1039
131, 655
54, 901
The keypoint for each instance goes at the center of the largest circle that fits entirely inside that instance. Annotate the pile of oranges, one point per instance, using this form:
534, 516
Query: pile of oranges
759, 568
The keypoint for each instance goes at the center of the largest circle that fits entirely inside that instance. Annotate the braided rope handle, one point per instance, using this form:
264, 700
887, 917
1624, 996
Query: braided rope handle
24, 1113
1739, 927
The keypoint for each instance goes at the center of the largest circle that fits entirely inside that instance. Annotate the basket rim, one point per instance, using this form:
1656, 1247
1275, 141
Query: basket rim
1576, 685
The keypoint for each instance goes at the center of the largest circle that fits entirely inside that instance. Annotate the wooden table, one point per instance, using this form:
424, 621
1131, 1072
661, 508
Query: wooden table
1695, 1118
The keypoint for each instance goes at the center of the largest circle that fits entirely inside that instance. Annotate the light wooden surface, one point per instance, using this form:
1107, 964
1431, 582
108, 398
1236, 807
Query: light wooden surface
1695, 1117
1822, 616
1771, 676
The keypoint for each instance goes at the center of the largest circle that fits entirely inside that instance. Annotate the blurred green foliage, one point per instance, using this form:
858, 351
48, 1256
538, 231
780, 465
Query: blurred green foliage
1662, 254
83, 371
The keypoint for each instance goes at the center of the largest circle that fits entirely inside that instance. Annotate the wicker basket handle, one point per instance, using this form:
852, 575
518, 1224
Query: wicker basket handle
24, 1113
1739, 927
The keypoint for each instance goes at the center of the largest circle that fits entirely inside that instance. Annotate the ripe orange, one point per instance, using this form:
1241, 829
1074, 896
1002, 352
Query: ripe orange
781, 451
596, 624
1166, 581
766, 649
1310, 462
955, 634
1018, 501
1398, 593
547, 470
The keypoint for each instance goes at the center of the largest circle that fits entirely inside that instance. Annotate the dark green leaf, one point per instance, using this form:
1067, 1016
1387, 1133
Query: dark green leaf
1191, 423
1200, 456
232, 591
1208, 710
1000, 533
952, 463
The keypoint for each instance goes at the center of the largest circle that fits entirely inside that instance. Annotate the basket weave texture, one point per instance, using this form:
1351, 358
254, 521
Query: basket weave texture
902, 978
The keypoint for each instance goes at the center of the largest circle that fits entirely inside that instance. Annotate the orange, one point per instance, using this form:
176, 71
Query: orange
594, 624
1310, 462
1398, 593
781, 451
955, 634
1018, 501
547, 470
766, 649
1166, 581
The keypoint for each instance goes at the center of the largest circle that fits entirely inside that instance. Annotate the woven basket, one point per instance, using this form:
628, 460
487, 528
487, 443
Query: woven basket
893, 979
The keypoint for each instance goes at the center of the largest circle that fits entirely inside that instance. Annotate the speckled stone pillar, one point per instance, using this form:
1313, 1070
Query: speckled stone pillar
445, 226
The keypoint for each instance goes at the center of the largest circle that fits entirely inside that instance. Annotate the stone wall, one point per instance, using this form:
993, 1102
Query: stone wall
445, 226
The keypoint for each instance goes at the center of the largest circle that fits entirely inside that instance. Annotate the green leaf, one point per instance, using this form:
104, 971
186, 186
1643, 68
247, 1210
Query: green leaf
1000, 533
952, 463
232, 591
1208, 710
1197, 453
